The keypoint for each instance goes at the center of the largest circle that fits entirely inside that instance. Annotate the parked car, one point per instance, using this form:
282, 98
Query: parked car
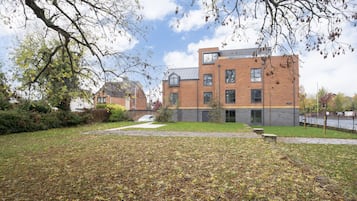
147, 118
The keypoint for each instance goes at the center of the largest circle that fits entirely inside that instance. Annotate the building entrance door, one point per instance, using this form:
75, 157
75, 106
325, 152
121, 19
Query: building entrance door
230, 116
205, 116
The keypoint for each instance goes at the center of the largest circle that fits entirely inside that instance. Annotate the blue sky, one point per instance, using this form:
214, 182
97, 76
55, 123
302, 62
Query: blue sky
174, 47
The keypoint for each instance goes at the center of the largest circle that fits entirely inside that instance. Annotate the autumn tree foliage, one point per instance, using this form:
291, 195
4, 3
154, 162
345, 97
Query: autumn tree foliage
4, 91
54, 75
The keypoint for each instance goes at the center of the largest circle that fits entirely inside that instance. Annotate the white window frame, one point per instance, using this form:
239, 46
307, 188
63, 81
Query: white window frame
254, 73
209, 57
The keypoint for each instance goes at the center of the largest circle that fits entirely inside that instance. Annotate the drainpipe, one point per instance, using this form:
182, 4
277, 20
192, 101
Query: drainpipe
135, 98
219, 90
219, 84
263, 87
294, 90
197, 113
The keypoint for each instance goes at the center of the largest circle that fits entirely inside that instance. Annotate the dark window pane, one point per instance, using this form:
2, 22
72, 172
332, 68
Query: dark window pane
230, 116
173, 98
207, 80
101, 99
207, 97
256, 116
230, 96
256, 95
230, 76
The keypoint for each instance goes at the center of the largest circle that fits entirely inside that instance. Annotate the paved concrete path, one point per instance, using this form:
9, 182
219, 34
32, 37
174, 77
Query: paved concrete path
143, 125
296, 140
173, 133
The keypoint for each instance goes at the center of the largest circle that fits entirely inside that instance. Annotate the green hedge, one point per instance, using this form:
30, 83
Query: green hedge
15, 121
117, 112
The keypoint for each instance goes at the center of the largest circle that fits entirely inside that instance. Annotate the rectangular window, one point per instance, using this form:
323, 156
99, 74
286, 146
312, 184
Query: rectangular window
173, 98
256, 116
256, 95
174, 80
230, 116
207, 97
230, 96
230, 76
101, 100
207, 79
256, 74
210, 58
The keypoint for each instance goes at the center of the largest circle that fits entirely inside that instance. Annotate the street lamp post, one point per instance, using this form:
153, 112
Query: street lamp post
324, 101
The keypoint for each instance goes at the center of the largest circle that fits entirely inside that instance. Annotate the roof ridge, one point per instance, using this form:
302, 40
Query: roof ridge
184, 73
181, 68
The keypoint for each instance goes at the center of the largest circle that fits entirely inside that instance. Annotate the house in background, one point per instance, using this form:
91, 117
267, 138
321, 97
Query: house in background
126, 93
250, 85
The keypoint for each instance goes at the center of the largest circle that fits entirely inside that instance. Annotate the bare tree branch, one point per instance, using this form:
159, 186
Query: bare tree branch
288, 23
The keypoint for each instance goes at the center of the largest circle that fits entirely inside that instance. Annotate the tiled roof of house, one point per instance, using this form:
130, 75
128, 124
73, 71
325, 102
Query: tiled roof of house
120, 89
184, 73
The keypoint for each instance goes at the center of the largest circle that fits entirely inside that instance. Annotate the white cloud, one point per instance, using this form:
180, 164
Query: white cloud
178, 59
334, 74
337, 75
194, 20
222, 34
158, 9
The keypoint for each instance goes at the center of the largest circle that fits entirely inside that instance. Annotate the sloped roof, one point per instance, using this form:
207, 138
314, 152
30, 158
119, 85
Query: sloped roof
120, 89
184, 73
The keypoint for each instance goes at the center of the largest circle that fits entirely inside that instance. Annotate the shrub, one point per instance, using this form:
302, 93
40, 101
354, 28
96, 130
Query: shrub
117, 112
51, 120
4, 102
164, 115
72, 118
34, 106
14, 121
101, 106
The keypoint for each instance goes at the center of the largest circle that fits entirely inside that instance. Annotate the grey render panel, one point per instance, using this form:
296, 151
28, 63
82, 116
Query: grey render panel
243, 115
185, 115
281, 117
271, 117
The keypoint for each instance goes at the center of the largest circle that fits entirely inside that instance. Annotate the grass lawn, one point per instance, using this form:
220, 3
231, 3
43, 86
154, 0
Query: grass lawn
205, 127
338, 162
283, 131
63, 164
300, 131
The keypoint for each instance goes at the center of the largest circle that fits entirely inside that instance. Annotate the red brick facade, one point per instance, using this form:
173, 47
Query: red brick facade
240, 83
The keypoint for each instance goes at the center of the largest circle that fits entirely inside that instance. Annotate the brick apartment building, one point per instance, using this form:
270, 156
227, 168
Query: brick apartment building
126, 93
251, 85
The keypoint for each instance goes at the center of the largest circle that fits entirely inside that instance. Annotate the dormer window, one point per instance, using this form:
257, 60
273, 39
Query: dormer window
174, 80
210, 58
